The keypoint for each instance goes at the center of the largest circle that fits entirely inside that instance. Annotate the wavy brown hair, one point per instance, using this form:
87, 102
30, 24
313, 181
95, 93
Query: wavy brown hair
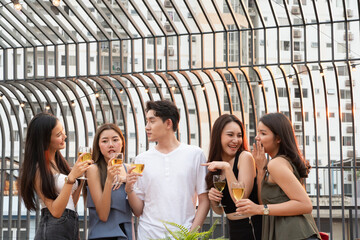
37, 142
281, 126
215, 142
98, 157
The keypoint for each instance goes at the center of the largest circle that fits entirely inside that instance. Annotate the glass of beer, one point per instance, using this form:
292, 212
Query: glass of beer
87, 156
118, 159
219, 183
139, 167
238, 189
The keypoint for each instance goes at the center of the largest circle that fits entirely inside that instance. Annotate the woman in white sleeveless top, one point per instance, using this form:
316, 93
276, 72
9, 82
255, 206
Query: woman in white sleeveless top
46, 173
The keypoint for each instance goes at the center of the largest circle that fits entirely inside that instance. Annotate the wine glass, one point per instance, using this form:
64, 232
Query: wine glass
219, 183
118, 159
85, 157
139, 167
238, 189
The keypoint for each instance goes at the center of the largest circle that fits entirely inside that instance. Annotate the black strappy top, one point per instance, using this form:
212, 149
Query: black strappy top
226, 200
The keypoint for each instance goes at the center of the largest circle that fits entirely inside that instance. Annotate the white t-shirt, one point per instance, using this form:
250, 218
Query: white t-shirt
169, 188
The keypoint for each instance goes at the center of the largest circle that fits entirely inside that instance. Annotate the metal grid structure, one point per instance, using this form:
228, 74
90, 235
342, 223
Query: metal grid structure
95, 61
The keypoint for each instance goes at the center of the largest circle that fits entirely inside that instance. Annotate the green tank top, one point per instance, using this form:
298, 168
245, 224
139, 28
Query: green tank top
284, 227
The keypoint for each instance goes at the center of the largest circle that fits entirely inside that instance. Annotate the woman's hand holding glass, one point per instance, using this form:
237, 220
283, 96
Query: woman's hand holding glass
219, 183
80, 167
84, 155
238, 190
114, 168
247, 207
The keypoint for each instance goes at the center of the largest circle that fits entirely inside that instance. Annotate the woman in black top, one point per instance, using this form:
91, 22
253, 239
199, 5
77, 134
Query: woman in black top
229, 156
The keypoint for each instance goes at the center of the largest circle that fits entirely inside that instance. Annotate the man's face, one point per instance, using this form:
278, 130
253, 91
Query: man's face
155, 127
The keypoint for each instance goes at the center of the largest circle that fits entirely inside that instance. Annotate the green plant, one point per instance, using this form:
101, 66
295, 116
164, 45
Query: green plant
184, 234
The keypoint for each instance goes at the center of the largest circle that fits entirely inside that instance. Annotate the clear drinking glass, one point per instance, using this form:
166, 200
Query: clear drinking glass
139, 167
85, 157
118, 159
238, 189
219, 183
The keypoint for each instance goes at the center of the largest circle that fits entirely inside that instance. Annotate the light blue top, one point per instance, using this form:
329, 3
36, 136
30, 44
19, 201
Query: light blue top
119, 221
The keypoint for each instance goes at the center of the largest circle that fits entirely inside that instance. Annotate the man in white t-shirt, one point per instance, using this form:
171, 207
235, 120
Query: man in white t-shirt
173, 180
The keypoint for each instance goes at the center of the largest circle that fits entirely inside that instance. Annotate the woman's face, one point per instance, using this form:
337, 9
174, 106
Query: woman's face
268, 140
231, 140
57, 140
109, 143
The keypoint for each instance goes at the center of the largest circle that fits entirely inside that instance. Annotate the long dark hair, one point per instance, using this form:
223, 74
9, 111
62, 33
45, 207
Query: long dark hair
98, 157
281, 126
36, 158
215, 142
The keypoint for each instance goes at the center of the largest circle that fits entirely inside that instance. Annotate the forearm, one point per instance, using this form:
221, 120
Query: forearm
76, 194
57, 206
202, 211
103, 206
259, 178
289, 208
136, 204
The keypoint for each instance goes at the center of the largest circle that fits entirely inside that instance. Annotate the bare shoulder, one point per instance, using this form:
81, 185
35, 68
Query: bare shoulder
246, 163
93, 170
278, 165
246, 156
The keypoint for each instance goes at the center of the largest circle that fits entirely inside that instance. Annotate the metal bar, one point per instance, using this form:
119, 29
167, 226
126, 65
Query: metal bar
238, 88
328, 153
133, 108
354, 150
340, 147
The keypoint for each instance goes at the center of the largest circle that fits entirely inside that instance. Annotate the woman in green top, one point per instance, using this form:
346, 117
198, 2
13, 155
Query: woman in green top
283, 200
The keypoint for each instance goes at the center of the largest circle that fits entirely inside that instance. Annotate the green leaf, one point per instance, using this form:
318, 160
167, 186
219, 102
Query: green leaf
184, 234
183, 229
211, 230
172, 233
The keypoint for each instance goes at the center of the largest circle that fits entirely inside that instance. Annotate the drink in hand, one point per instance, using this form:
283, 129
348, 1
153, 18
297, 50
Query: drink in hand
85, 157
139, 168
219, 183
219, 186
117, 160
238, 193
238, 189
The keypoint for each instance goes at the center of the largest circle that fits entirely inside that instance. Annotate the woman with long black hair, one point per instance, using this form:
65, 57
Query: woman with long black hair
284, 202
229, 157
46, 173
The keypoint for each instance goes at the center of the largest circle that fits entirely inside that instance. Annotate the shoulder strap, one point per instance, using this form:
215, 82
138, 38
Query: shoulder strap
236, 161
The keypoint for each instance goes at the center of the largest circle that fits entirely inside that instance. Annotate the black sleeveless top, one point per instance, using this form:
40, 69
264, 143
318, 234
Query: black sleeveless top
226, 200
